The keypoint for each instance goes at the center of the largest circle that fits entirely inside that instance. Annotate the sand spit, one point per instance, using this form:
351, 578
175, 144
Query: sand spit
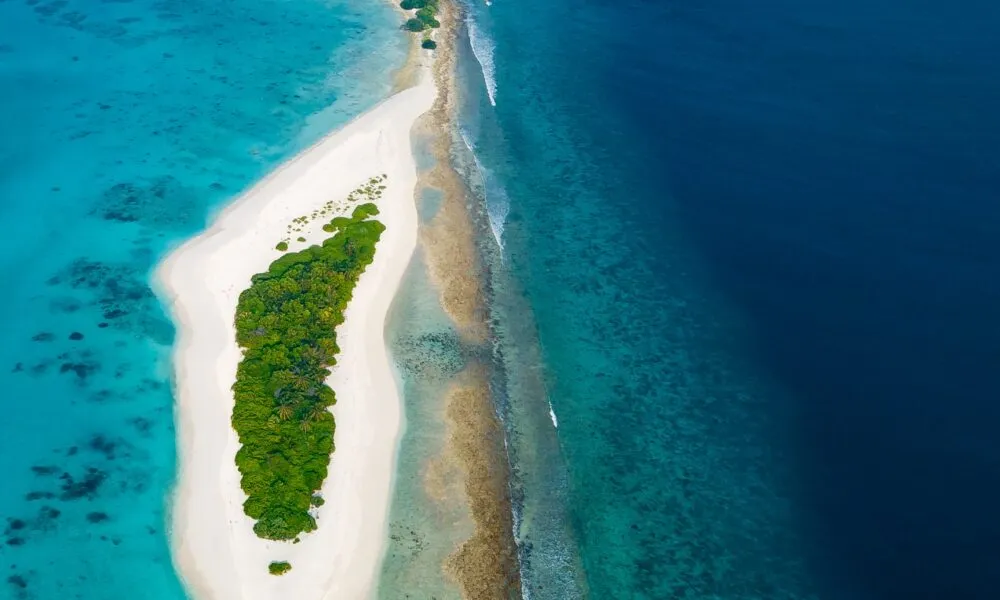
215, 549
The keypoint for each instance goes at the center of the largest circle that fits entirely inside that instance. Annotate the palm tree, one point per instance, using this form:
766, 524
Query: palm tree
316, 412
285, 412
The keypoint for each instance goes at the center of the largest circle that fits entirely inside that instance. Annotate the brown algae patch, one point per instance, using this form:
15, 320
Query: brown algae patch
485, 565
449, 239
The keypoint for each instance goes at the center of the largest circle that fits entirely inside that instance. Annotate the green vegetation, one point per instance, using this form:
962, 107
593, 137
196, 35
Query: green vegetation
318, 500
428, 44
279, 568
424, 18
282, 246
286, 325
301, 239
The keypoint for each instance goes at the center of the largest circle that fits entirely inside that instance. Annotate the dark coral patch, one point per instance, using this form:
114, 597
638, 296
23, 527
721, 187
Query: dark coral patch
66, 305
97, 517
15, 525
41, 367
141, 424
101, 444
83, 370
30, 496
44, 469
76, 335
47, 514
101, 396
162, 202
43, 336
87, 487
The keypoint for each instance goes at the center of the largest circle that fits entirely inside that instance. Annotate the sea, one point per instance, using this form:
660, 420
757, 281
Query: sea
124, 126
744, 283
749, 295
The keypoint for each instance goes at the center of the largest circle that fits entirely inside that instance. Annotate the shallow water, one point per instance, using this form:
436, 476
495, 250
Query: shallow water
125, 125
428, 518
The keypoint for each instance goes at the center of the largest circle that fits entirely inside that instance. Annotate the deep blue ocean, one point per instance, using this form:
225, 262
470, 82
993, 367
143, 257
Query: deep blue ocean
757, 244
123, 126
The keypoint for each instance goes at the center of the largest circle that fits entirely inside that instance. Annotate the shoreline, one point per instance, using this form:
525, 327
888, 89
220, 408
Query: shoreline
484, 565
214, 548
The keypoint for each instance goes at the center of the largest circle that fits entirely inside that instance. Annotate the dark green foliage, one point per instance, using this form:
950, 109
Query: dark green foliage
279, 568
318, 501
286, 325
301, 239
428, 44
414, 25
411, 4
282, 246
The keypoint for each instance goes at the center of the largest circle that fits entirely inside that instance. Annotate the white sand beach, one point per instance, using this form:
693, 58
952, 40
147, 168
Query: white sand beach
215, 549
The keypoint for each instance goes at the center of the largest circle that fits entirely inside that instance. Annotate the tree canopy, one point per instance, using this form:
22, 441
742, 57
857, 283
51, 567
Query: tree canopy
286, 326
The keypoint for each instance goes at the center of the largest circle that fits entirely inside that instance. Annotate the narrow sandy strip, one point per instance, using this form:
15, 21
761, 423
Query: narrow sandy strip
214, 546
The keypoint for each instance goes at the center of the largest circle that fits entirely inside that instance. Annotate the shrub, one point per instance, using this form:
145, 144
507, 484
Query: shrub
279, 568
282, 246
318, 500
426, 16
339, 222
411, 4
363, 211
428, 44
414, 25
302, 239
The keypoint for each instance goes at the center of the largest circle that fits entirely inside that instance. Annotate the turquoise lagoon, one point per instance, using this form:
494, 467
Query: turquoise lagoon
123, 126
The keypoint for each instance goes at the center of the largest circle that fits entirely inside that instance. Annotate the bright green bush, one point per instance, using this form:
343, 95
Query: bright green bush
426, 16
339, 222
286, 325
282, 246
279, 568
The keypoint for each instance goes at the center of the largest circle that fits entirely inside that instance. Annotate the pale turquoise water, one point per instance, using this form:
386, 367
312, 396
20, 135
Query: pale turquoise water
124, 126
422, 529
424, 526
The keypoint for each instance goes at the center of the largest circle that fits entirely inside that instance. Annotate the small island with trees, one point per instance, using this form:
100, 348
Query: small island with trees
286, 327
425, 18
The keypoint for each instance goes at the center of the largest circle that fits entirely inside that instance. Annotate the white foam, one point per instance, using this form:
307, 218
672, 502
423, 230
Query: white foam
497, 202
552, 415
482, 48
